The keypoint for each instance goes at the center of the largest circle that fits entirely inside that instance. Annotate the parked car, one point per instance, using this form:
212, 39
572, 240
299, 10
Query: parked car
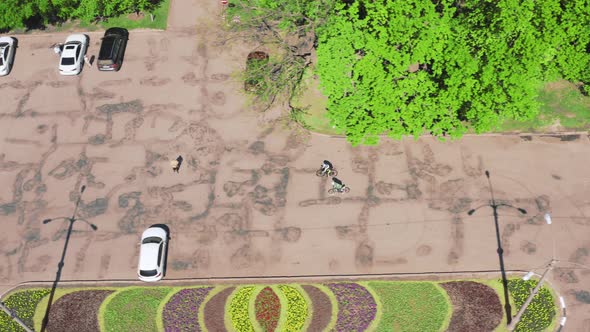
7, 49
72, 55
112, 49
152, 254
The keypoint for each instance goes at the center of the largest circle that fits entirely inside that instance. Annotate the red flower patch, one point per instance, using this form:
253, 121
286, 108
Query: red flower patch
268, 309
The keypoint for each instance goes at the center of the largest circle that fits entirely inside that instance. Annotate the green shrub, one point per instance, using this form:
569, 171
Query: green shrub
540, 313
403, 302
23, 304
238, 310
134, 309
296, 309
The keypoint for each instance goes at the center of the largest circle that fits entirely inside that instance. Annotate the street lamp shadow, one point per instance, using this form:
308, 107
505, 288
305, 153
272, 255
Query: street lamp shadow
61, 263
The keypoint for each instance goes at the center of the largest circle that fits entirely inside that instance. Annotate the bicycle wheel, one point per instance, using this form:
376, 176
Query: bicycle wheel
333, 173
319, 172
345, 189
331, 191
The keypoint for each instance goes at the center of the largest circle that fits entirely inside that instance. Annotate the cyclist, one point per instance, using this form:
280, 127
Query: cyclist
326, 165
337, 184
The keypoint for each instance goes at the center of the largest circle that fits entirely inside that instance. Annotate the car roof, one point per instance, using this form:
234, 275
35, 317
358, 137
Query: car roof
106, 48
76, 37
8, 40
154, 231
148, 256
70, 50
116, 31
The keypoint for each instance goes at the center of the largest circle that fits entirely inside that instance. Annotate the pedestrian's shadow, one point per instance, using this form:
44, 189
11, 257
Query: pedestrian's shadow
179, 159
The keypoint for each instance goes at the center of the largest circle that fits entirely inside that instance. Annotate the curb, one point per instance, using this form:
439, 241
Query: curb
432, 276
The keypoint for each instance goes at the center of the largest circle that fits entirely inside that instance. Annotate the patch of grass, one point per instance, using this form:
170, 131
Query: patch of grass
403, 302
313, 103
23, 304
132, 309
160, 19
563, 108
123, 21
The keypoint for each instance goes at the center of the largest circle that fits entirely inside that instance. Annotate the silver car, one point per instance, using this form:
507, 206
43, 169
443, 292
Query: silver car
72, 54
7, 49
152, 254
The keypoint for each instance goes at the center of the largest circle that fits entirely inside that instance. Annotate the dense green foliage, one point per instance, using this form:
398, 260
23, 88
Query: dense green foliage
134, 309
402, 302
22, 13
405, 67
540, 313
23, 304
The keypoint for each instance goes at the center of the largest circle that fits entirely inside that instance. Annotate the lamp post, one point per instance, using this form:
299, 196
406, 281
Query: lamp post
499, 250
60, 265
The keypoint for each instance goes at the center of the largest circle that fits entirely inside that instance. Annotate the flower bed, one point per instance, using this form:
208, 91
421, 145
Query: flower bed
356, 306
214, 311
476, 307
540, 313
133, 309
403, 302
181, 313
296, 309
321, 308
374, 305
23, 304
268, 309
238, 309
77, 311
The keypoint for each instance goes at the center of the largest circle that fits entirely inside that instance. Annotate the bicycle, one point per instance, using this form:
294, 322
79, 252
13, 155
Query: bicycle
330, 172
342, 190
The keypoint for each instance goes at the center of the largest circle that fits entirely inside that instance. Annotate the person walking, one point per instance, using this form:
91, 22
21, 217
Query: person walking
57, 48
176, 163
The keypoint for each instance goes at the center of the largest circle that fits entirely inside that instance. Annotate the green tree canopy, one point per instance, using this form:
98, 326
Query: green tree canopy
19, 13
406, 67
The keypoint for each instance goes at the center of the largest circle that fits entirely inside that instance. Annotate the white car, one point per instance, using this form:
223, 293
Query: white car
152, 254
7, 48
72, 54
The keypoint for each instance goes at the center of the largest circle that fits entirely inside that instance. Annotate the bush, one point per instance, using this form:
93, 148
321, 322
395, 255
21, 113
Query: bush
23, 304
268, 309
238, 310
356, 306
181, 313
296, 309
540, 313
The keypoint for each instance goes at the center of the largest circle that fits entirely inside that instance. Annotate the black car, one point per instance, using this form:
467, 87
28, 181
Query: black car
112, 49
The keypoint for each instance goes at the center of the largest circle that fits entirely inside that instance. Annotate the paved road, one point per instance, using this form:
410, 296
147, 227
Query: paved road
246, 201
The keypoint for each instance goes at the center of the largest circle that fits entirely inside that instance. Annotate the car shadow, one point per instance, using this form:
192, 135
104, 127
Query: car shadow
167, 230
124, 51
15, 54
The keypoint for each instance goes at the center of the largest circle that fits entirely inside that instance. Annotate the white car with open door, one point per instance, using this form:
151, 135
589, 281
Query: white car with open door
152, 254
72, 54
7, 49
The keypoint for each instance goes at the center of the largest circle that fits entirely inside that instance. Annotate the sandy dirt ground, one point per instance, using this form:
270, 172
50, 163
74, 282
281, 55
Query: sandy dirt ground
246, 201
